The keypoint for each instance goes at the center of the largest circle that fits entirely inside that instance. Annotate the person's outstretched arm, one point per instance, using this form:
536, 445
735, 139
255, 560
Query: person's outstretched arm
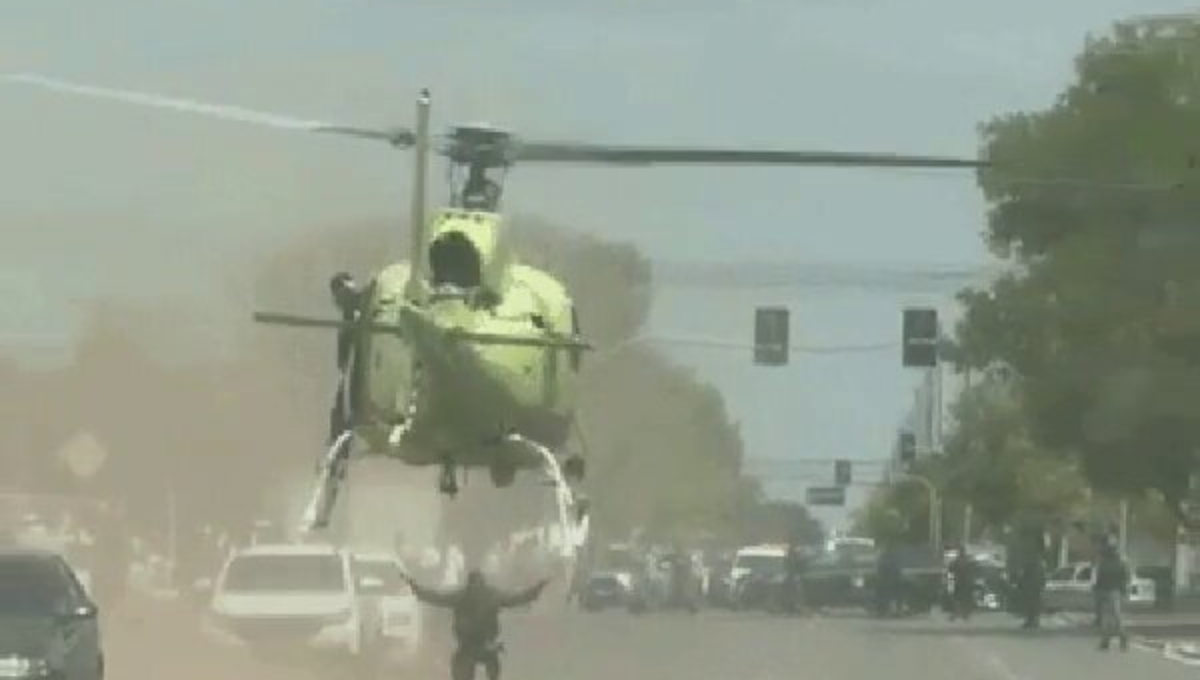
524, 597
437, 598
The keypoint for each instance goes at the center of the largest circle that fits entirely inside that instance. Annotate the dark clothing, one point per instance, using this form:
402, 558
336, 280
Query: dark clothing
965, 573
889, 582
1032, 584
476, 610
1110, 588
793, 581
1112, 574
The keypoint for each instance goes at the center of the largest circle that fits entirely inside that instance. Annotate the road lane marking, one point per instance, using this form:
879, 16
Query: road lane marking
992, 660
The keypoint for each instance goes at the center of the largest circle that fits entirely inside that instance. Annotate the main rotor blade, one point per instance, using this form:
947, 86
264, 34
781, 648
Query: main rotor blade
399, 137
295, 321
568, 152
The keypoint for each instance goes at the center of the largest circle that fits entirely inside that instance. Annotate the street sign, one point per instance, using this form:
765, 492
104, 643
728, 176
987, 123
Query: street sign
825, 495
920, 333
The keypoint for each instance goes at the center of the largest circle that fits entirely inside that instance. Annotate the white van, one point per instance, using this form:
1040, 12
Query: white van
759, 561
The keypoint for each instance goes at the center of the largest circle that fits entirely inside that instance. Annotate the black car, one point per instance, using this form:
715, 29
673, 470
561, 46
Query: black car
49, 627
603, 590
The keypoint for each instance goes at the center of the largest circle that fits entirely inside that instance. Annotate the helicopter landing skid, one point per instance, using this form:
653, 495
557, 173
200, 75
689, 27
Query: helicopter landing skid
332, 471
572, 506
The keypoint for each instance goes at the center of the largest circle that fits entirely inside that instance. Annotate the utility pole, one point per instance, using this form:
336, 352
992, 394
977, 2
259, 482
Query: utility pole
966, 530
935, 511
1123, 528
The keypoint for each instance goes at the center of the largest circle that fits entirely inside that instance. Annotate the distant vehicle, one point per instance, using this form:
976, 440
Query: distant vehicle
670, 581
1069, 588
753, 575
719, 588
49, 626
391, 608
286, 599
606, 589
993, 592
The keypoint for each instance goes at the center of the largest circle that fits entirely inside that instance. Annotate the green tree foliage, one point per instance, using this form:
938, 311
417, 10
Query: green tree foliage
1100, 320
899, 512
993, 463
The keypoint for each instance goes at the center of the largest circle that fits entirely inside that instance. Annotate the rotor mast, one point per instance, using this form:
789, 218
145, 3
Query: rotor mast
417, 219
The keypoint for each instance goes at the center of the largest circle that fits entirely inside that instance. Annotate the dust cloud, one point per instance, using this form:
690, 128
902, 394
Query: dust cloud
210, 425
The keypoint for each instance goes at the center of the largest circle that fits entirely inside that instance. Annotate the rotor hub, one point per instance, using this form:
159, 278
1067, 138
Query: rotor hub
479, 145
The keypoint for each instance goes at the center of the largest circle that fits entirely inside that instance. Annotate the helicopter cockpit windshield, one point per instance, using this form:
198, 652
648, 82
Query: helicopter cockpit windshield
454, 262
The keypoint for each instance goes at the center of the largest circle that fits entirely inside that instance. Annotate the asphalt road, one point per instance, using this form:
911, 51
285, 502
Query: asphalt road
159, 642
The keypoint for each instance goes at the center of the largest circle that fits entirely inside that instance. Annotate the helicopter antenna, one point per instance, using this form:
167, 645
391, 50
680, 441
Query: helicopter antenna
420, 171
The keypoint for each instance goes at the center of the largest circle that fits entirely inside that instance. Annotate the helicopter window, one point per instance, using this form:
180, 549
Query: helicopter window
454, 260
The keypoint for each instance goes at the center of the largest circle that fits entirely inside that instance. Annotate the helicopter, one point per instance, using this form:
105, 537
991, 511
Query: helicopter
462, 357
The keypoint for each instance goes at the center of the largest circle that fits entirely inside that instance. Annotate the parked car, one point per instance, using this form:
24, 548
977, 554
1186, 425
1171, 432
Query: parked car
49, 625
391, 609
1069, 588
286, 600
605, 589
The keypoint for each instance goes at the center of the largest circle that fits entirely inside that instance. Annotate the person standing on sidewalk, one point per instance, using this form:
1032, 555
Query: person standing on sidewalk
964, 575
1111, 588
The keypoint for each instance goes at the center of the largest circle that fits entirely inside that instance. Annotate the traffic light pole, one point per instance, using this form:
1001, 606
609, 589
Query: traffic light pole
935, 511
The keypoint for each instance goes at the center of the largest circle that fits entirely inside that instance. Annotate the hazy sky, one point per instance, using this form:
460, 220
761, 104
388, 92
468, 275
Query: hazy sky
103, 197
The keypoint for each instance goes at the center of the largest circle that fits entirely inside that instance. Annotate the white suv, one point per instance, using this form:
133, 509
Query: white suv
286, 599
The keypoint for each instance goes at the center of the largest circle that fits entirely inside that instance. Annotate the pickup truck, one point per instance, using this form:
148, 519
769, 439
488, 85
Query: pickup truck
1069, 588
833, 580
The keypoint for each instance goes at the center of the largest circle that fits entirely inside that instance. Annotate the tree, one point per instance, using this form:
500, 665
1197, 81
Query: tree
993, 463
1099, 319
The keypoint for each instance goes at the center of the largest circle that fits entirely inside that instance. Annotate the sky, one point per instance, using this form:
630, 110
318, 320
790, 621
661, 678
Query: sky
104, 198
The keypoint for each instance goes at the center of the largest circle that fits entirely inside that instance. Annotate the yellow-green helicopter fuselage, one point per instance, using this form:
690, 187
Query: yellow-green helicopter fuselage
485, 348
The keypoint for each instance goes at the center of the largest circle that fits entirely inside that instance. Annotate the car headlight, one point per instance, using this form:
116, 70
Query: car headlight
23, 667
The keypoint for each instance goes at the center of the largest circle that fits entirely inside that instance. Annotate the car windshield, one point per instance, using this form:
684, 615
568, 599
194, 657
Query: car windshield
33, 585
761, 565
386, 573
309, 573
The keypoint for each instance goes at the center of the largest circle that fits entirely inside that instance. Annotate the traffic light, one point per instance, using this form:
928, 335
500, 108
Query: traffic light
841, 472
771, 336
921, 336
908, 447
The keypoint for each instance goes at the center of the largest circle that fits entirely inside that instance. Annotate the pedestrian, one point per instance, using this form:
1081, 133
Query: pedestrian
889, 581
791, 580
1111, 588
1032, 584
964, 574
476, 620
